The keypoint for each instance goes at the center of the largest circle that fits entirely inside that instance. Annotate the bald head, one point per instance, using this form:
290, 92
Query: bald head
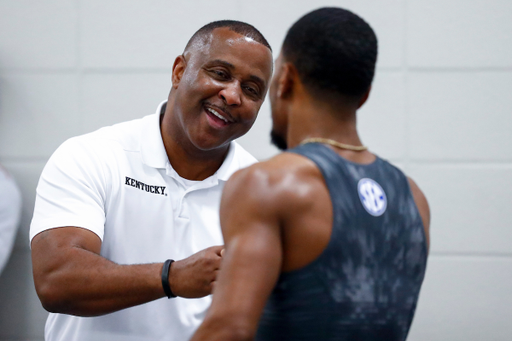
203, 35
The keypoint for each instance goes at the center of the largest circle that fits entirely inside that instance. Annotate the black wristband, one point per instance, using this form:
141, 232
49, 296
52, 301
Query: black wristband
165, 278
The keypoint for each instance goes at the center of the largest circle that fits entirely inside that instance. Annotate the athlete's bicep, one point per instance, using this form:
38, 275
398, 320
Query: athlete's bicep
253, 256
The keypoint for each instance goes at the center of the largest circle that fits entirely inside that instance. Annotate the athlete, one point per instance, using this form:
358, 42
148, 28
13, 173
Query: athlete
128, 214
330, 241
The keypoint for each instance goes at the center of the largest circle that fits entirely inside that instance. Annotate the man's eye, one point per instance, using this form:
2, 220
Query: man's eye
220, 74
252, 91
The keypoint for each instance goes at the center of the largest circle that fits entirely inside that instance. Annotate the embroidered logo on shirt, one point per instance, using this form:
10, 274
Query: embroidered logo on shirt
372, 197
144, 187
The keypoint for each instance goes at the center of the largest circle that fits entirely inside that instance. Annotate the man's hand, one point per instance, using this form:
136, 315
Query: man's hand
194, 276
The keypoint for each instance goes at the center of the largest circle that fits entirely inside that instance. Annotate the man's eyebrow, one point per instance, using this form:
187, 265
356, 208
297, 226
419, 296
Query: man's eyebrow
254, 78
222, 62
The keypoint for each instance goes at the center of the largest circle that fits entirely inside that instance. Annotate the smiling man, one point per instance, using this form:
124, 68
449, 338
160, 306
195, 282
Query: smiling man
116, 207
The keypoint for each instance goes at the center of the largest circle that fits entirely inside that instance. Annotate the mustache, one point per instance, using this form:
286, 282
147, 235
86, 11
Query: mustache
223, 108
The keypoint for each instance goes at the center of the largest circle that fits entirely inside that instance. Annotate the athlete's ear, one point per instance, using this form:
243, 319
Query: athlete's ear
286, 80
178, 68
364, 98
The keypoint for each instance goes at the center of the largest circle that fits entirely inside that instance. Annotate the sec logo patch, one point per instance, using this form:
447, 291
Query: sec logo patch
372, 197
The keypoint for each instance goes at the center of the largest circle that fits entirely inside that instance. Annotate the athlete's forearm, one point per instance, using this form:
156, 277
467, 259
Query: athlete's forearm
223, 329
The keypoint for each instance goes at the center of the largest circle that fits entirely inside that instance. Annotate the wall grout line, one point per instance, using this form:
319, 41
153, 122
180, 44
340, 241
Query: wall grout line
482, 255
405, 75
24, 159
79, 70
117, 70
454, 69
462, 163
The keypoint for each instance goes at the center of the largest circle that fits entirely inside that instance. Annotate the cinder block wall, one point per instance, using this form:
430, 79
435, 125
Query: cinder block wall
440, 109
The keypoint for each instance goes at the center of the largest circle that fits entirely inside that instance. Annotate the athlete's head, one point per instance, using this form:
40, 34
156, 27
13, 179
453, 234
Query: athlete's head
219, 84
334, 52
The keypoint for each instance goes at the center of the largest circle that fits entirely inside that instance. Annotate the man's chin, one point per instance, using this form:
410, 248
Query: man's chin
278, 141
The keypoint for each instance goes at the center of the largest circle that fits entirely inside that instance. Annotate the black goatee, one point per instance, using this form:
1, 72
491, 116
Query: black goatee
278, 141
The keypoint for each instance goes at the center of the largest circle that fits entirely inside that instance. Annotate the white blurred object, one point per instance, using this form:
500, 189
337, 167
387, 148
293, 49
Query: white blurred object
10, 211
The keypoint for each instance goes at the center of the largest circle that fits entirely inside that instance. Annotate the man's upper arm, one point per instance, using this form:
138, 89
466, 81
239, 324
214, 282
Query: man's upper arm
71, 191
50, 249
252, 262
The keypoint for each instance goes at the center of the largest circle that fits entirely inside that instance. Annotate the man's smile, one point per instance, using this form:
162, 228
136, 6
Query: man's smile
217, 117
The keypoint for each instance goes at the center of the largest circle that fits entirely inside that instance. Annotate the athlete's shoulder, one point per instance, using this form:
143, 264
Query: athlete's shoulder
285, 178
279, 168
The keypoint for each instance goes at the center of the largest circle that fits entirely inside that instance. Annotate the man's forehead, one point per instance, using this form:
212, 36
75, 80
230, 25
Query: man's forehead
218, 38
225, 35
223, 46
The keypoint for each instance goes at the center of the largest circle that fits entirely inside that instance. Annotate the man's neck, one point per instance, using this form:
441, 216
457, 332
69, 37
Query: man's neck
188, 161
311, 119
317, 119
195, 166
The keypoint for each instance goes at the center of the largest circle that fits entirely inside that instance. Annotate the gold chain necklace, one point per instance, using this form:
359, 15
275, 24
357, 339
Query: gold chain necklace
334, 143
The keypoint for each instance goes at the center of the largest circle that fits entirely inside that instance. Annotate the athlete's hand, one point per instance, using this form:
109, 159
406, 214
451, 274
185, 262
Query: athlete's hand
194, 276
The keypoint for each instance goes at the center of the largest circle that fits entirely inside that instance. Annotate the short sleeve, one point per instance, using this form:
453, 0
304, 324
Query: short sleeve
72, 189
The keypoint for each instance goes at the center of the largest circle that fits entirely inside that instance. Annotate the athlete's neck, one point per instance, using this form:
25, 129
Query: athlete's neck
312, 118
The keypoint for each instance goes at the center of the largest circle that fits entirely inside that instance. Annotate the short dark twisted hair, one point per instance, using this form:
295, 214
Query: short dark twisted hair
334, 51
239, 27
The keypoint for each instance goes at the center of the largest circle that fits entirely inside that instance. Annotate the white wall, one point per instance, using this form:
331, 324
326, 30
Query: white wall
440, 109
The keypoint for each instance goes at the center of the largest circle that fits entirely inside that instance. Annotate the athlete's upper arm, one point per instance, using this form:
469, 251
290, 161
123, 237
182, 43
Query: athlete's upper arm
423, 207
251, 264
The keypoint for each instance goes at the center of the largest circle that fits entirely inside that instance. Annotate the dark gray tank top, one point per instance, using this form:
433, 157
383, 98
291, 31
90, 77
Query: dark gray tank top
365, 284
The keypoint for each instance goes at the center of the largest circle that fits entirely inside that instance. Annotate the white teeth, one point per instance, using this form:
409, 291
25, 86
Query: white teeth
217, 114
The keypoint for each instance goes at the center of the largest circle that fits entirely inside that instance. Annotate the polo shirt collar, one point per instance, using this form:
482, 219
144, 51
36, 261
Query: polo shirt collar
152, 146
154, 154
230, 164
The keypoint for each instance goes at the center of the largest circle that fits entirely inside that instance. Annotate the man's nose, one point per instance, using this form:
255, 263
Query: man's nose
231, 94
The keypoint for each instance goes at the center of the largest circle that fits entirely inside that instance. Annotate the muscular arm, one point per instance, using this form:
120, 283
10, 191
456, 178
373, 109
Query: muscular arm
72, 278
252, 261
423, 208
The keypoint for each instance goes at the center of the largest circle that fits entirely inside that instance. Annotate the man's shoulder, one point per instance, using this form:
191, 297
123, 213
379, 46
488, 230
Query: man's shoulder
125, 134
97, 151
283, 177
285, 165
120, 136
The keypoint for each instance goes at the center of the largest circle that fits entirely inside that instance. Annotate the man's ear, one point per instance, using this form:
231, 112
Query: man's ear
286, 81
364, 98
178, 68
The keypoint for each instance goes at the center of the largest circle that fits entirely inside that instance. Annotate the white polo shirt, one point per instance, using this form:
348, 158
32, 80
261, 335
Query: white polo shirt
118, 183
10, 212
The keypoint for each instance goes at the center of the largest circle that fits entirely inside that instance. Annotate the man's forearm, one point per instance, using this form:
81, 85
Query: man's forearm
87, 284
71, 276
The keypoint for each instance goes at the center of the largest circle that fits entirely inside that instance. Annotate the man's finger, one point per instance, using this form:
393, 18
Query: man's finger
217, 249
